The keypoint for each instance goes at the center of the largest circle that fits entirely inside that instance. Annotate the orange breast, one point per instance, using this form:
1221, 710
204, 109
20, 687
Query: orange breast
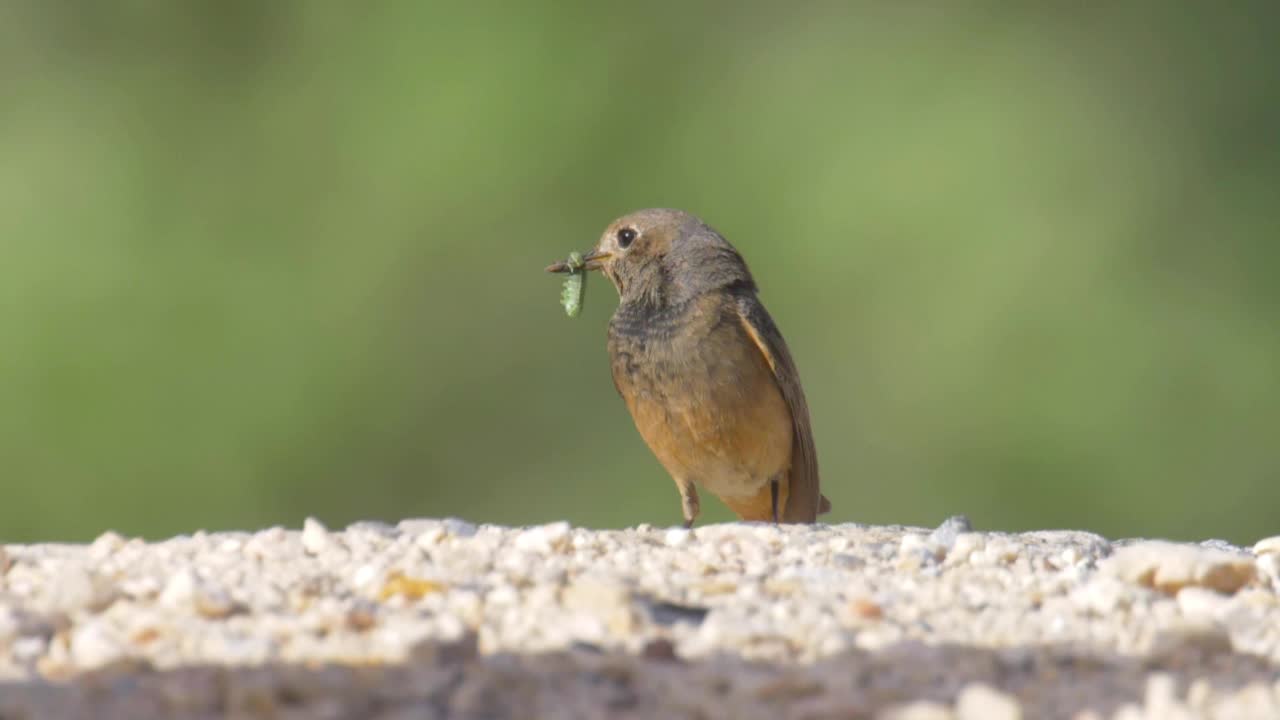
705, 401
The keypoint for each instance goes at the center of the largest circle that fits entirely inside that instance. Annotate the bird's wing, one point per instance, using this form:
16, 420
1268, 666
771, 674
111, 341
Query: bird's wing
805, 499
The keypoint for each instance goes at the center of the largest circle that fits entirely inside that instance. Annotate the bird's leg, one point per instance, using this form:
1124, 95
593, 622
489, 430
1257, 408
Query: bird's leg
688, 501
773, 496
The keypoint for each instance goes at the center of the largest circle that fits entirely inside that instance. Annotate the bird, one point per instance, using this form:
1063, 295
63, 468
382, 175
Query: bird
703, 369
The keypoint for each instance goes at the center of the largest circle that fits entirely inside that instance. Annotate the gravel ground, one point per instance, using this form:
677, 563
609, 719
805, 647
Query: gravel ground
445, 619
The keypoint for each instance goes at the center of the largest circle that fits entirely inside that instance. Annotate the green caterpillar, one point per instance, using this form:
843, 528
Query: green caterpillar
575, 285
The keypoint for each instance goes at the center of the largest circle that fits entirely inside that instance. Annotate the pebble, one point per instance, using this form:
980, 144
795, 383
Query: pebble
1169, 567
180, 590
459, 528
315, 536
212, 603
1269, 568
95, 644
946, 534
106, 545
676, 536
1201, 604
965, 545
1102, 595
544, 539
1267, 546
607, 600
74, 587
982, 702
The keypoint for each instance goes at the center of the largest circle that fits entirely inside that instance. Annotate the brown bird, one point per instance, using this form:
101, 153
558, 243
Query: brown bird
704, 371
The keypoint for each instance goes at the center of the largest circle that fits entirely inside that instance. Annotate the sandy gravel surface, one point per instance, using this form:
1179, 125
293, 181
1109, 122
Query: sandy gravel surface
445, 619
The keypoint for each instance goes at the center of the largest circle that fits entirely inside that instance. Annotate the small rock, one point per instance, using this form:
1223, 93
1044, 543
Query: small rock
362, 616
912, 543
106, 545
1169, 567
1069, 557
180, 590
1201, 604
983, 702
607, 600
1102, 595
676, 536
96, 644
142, 587
951, 528
998, 551
1269, 567
865, 608
669, 613
372, 528
366, 575
1267, 546
315, 536
916, 551
459, 528
544, 539
1219, 544
965, 545
74, 587
213, 603
428, 536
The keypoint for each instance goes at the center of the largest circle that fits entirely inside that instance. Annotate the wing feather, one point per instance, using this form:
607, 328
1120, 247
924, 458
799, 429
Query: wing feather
805, 500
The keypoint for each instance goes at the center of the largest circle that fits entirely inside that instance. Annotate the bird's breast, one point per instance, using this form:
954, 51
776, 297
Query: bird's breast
702, 395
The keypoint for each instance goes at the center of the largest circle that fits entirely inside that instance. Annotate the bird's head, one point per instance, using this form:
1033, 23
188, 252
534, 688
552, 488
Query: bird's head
663, 257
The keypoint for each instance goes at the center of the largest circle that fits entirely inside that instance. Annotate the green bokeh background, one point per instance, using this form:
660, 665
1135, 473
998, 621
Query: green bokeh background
264, 260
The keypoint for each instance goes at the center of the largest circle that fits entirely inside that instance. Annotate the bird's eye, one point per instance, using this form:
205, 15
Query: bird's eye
626, 236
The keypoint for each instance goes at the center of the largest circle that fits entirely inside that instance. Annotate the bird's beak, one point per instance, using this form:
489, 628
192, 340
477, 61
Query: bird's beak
590, 261
594, 259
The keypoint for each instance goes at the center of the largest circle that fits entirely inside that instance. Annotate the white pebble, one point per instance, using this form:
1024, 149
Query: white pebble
1267, 546
459, 528
431, 536
965, 545
106, 545
315, 536
95, 644
983, 702
1201, 604
180, 590
676, 536
366, 575
544, 539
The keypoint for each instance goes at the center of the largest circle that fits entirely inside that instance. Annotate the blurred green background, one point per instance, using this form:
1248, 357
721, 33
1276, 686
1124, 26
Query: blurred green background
264, 260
